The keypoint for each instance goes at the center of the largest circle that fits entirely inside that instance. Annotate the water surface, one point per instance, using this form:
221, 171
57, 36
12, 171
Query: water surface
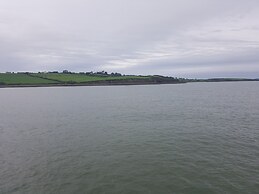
186, 138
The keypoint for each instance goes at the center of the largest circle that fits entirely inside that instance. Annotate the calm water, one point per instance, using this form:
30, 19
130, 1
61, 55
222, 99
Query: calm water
188, 138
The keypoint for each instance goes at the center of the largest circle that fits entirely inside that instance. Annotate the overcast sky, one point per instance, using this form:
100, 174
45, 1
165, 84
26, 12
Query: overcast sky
183, 38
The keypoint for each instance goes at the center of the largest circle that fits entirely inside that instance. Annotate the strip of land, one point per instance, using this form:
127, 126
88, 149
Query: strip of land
66, 78
80, 79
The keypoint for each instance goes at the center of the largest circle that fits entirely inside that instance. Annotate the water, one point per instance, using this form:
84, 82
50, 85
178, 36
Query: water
187, 138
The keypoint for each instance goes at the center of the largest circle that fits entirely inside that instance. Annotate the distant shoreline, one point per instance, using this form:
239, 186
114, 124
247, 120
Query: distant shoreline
70, 79
103, 83
108, 84
80, 79
78, 85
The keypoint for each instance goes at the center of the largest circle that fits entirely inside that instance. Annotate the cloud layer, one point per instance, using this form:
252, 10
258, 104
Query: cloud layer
201, 38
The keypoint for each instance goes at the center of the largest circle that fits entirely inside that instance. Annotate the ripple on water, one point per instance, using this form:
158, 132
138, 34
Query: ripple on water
193, 138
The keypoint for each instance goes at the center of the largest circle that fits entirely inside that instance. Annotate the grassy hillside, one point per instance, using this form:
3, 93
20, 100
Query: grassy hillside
65, 79
82, 78
60, 78
20, 79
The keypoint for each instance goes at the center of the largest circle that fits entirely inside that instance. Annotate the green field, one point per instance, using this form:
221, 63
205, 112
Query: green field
58, 78
20, 79
68, 79
82, 78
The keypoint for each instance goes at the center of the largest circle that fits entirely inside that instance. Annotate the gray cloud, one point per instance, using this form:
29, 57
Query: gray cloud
198, 38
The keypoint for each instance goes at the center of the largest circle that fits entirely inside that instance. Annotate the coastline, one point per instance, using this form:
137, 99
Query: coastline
106, 83
103, 83
22, 80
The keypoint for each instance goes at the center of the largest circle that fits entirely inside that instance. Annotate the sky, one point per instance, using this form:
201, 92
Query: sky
180, 38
